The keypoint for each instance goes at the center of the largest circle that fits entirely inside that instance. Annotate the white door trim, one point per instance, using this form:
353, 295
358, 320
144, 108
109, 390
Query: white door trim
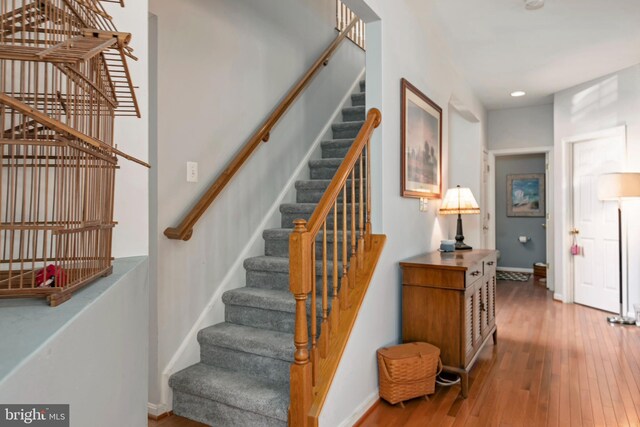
564, 194
491, 200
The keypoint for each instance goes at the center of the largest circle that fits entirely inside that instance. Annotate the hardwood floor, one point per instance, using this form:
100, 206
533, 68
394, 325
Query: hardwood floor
175, 421
555, 364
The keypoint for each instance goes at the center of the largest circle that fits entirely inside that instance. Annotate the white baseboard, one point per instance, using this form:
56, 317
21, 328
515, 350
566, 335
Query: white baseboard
515, 269
558, 297
188, 352
156, 409
360, 410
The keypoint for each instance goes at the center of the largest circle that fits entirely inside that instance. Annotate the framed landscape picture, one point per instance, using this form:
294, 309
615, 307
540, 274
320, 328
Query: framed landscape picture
421, 135
525, 195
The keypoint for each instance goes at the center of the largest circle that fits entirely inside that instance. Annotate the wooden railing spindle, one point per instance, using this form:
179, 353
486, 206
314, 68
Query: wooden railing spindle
335, 302
361, 216
314, 316
324, 329
353, 262
344, 284
368, 175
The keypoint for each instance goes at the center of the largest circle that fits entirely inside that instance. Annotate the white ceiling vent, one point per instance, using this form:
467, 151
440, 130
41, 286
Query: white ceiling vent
533, 4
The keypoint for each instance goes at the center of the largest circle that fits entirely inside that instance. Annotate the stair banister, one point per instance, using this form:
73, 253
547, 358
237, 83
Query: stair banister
374, 118
184, 230
309, 379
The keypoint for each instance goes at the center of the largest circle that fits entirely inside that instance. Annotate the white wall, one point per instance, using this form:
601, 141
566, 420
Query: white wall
96, 362
465, 169
604, 103
131, 235
222, 67
403, 45
523, 127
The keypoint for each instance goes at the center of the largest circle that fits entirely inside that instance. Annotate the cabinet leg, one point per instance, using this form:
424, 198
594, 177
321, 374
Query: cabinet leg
464, 384
495, 337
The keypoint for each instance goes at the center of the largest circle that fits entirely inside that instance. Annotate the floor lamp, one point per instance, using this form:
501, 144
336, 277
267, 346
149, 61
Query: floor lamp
619, 186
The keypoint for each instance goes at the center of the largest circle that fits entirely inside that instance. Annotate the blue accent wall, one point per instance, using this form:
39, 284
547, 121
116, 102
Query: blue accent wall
513, 253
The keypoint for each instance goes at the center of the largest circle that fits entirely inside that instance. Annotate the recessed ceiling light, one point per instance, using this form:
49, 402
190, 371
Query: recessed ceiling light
533, 4
518, 93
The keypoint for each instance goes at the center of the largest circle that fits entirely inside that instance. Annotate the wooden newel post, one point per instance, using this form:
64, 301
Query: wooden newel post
300, 286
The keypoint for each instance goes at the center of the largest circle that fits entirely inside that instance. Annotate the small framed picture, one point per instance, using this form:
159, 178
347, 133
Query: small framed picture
525, 195
421, 137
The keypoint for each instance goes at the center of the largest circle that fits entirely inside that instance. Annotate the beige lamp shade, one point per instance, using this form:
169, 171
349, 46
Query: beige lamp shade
616, 186
459, 201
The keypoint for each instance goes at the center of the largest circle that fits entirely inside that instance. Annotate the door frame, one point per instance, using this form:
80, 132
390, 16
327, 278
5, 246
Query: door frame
548, 151
564, 274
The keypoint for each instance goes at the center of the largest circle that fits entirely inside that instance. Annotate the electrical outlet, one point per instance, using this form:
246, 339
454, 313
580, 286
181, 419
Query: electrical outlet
192, 171
424, 204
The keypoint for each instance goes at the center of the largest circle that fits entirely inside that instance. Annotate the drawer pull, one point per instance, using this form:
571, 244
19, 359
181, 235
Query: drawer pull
475, 273
490, 263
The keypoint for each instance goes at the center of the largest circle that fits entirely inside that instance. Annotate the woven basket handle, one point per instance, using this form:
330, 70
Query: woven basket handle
384, 368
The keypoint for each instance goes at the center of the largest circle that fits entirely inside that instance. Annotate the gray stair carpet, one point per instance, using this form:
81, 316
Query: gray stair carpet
243, 375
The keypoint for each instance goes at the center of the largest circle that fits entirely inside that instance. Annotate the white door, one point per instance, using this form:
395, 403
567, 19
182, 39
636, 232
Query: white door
596, 267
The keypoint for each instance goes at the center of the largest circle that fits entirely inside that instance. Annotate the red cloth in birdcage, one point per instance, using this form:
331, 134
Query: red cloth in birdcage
50, 276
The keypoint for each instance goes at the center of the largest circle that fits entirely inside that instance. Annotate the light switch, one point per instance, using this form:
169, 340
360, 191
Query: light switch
192, 171
424, 204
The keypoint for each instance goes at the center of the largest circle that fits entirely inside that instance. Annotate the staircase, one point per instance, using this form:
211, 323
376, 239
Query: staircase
243, 375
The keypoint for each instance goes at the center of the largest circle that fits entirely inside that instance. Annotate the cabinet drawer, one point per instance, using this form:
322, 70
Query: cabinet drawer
474, 273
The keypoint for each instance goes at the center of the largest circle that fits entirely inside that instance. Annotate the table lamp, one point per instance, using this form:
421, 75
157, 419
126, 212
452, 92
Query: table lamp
459, 201
619, 186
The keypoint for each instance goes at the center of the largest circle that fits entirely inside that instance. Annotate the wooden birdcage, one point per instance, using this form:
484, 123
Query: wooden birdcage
64, 77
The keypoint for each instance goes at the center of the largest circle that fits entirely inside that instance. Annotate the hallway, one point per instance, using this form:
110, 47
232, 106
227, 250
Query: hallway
555, 364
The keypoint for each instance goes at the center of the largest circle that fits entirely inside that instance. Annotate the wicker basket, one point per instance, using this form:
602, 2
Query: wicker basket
407, 371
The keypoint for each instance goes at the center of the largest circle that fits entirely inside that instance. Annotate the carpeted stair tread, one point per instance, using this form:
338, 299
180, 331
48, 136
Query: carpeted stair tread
308, 208
322, 184
338, 143
270, 299
284, 233
263, 342
265, 299
278, 264
234, 389
356, 124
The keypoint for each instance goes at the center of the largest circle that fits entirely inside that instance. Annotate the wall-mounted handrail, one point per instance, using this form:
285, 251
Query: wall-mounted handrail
185, 229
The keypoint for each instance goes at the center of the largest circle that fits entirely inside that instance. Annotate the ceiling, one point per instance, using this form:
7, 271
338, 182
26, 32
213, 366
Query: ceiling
499, 47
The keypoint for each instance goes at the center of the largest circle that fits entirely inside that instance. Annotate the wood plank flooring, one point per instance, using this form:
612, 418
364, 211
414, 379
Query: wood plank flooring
555, 365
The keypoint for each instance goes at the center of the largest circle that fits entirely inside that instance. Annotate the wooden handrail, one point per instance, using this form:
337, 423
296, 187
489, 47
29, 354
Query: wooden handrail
185, 229
374, 117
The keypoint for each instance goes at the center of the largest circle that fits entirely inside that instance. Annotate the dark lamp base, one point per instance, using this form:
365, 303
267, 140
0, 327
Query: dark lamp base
461, 246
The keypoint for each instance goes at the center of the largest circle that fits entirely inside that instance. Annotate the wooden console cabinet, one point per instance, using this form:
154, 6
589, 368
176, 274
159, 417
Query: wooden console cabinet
448, 300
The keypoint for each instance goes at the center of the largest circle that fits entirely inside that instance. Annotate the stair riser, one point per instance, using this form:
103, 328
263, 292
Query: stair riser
363, 85
353, 116
340, 133
358, 99
215, 413
288, 218
328, 171
314, 196
336, 152
280, 281
262, 367
265, 319
280, 248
